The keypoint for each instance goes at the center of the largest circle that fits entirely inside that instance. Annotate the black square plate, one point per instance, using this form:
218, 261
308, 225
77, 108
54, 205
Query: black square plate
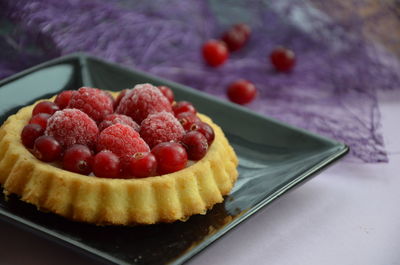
274, 158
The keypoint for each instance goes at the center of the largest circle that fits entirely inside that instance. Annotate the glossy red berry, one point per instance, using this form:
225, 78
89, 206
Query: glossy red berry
187, 119
45, 107
215, 52
30, 133
47, 149
40, 119
241, 92
62, 99
106, 165
143, 165
170, 157
236, 37
244, 28
196, 145
78, 158
283, 59
167, 92
204, 129
183, 106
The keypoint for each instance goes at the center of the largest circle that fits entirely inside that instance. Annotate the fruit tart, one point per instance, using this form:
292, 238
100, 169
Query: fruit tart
134, 157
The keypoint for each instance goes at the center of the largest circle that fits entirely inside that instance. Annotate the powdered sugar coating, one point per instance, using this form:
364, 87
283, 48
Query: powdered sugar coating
72, 126
143, 100
122, 140
161, 127
118, 118
94, 102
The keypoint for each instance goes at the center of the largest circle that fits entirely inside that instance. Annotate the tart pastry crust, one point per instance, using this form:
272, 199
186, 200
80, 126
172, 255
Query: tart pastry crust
102, 201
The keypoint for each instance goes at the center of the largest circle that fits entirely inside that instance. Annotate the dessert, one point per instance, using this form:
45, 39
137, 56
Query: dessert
143, 169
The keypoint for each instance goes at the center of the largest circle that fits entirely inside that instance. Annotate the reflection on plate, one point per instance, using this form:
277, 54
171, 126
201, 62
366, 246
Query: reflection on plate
273, 158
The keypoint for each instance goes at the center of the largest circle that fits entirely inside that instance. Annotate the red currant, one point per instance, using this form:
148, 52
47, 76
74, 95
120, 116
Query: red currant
62, 99
183, 106
187, 119
282, 59
30, 133
45, 107
47, 149
196, 145
204, 129
236, 37
78, 158
106, 165
167, 92
143, 165
120, 96
40, 119
215, 52
170, 157
241, 92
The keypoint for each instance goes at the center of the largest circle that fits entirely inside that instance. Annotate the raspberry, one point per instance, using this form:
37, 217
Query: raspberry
143, 100
94, 102
167, 92
72, 126
123, 141
62, 99
118, 118
161, 127
120, 96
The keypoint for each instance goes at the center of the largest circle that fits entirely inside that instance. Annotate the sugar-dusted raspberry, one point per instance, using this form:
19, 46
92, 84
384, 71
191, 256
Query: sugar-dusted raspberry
123, 141
120, 96
118, 118
72, 126
94, 102
161, 127
143, 100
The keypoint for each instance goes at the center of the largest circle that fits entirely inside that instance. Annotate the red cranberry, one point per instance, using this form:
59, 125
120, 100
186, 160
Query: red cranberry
183, 106
45, 107
236, 37
283, 59
78, 158
40, 119
204, 129
241, 92
244, 28
62, 99
30, 133
215, 52
120, 96
196, 145
106, 165
170, 157
47, 149
167, 92
143, 165
187, 119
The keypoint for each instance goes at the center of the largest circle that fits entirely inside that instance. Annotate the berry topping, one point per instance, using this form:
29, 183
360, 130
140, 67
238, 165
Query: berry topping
40, 119
72, 126
161, 127
123, 141
187, 119
45, 107
282, 59
183, 106
204, 129
120, 96
143, 100
143, 165
236, 37
215, 52
170, 157
196, 145
78, 158
47, 149
167, 92
30, 133
241, 92
94, 102
106, 165
62, 99
118, 118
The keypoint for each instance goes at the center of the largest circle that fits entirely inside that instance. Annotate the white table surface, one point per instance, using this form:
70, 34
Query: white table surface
349, 214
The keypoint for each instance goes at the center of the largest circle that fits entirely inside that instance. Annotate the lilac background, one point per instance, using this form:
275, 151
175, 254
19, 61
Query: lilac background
332, 91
